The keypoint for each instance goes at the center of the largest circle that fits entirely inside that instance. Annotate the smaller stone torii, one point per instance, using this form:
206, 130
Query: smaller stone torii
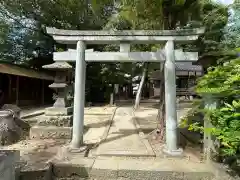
125, 39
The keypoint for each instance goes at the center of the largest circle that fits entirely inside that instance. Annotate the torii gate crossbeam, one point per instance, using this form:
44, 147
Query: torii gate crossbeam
159, 56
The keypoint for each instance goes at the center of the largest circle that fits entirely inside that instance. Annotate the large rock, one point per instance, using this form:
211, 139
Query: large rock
15, 110
9, 131
12, 107
11, 127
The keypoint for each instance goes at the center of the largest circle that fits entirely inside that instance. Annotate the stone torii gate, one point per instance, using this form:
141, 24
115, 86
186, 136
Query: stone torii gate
125, 39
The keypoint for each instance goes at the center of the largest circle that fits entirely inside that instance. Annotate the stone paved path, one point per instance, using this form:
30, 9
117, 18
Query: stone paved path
123, 138
147, 117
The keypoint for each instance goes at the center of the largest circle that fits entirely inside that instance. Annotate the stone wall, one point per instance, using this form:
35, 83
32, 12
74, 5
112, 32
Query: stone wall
7, 164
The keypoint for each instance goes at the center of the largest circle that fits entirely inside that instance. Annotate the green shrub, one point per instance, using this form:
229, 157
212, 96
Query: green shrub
222, 84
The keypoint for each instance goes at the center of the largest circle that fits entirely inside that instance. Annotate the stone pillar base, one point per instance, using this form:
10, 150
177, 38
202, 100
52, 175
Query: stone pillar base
71, 149
173, 153
54, 111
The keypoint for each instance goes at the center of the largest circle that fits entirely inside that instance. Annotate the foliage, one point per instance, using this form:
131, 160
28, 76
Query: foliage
222, 84
225, 126
214, 17
222, 81
4, 40
24, 45
29, 43
33, 47
67, 14
163, 14
232, 30
226, 122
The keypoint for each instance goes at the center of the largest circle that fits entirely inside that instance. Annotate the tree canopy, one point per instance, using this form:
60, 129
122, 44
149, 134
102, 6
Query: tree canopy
30, 45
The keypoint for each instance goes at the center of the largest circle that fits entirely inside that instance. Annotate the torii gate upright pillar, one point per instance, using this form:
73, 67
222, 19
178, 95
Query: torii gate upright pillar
79, 96
170, 101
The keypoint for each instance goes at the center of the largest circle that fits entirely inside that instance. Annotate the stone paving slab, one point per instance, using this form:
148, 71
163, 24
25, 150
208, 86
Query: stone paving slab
149, 168
97, 126
95, 121
123, 138
130, 168
146, 119
99, 110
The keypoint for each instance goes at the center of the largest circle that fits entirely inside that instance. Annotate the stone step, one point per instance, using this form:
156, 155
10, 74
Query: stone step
72, 178
140, 175
33, 120
149, 169
54, 111
120, 169
60, 121
36, 171
77, 167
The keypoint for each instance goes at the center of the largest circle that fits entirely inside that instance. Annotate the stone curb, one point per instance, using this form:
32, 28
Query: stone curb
38, 113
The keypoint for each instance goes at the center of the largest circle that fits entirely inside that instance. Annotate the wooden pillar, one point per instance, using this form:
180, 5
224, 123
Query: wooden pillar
126, 47
9, 89
43, 92
17, 91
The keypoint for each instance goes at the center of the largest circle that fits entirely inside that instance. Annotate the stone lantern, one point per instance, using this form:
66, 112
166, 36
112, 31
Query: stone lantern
56, 123
60, 84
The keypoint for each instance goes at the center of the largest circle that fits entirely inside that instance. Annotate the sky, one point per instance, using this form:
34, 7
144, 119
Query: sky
226, 1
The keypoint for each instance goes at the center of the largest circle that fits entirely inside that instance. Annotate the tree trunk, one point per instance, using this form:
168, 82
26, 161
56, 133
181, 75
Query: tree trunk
112, 96
161, 112
139, 92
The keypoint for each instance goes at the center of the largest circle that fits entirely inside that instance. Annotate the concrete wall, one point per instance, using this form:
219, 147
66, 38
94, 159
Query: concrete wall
7, 164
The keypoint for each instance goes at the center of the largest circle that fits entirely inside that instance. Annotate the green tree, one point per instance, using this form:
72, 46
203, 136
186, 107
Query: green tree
232, 30
66, 14
163, 14
30, 18
221, 84
4, 40
32, 46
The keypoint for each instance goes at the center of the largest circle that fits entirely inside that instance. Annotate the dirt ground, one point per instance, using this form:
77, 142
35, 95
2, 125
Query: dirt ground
97, 121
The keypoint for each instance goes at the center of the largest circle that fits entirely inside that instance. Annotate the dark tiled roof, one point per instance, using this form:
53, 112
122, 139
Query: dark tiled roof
180, 67
188, 67
26, 72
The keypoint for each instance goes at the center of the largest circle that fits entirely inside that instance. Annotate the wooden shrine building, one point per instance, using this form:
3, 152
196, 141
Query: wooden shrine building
24, 86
